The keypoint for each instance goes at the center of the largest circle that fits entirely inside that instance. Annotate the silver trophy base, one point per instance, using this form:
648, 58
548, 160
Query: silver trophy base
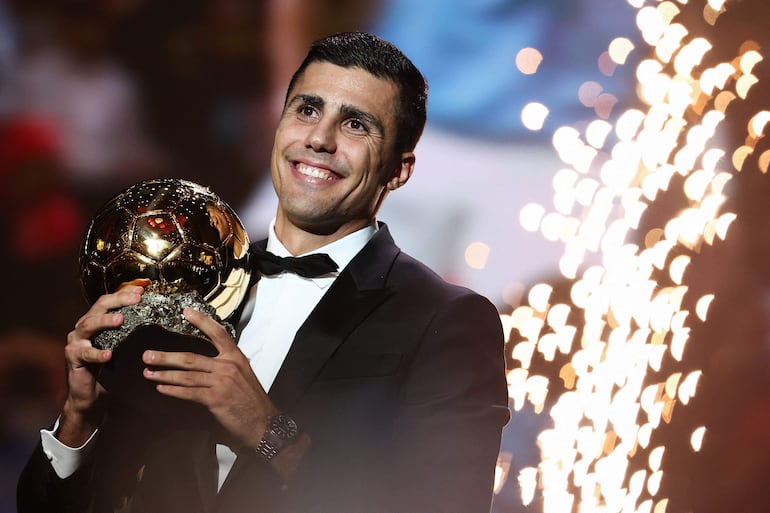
161, 305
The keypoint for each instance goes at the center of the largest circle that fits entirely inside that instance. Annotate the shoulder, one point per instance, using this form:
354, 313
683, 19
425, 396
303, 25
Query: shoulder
403, 273
425, 294
408, 272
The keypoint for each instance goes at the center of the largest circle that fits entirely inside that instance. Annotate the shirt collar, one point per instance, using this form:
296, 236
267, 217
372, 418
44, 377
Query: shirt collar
341, 251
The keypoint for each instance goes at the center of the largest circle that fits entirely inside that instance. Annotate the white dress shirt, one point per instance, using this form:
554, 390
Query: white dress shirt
275, 309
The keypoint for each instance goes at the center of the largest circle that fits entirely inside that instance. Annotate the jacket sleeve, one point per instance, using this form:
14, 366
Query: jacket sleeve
40, 490
453, 409
102, 483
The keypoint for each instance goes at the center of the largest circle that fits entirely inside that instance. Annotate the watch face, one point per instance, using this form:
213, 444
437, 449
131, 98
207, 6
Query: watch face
284, 427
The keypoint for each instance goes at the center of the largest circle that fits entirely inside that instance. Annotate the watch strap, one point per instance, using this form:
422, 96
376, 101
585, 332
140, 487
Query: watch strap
266, 449
279, 432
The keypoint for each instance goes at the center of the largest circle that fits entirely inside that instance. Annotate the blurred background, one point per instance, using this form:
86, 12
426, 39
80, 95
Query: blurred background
98, 94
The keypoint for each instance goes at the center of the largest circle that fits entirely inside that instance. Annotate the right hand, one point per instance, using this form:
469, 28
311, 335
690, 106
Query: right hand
84, 405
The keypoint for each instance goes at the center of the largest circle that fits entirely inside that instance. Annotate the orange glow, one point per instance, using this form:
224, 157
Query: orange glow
626, 320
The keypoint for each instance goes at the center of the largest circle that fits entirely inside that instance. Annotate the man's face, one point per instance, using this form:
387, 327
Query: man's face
334, 156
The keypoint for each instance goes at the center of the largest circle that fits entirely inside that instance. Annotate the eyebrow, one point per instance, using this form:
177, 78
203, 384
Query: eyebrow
309, 99
348, 111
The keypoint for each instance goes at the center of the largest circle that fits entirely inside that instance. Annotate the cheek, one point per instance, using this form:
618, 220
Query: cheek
370, 159
275, 154
287, 134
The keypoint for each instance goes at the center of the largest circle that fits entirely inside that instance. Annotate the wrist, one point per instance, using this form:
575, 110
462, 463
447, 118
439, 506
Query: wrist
76, 426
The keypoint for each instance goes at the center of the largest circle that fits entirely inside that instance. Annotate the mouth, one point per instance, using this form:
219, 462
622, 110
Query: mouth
315, 172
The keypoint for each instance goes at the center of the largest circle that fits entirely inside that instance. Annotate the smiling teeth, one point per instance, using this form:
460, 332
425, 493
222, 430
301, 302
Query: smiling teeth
314, 172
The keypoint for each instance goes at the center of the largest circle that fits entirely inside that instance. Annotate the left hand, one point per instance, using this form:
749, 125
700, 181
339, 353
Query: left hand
224, 384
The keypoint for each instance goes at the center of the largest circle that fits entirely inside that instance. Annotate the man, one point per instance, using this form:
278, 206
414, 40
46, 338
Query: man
386, 385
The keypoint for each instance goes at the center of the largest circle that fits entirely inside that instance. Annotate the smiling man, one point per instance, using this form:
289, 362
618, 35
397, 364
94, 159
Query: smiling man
373, 386
335, 155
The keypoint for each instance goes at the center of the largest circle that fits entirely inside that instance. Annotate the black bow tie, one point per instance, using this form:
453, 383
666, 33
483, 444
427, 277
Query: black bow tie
308, 266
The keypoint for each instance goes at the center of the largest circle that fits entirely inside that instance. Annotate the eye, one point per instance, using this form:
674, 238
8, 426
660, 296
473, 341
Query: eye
356, 125
306, 110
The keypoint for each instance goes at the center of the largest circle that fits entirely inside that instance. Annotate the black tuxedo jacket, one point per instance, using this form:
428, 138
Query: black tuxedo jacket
396, 376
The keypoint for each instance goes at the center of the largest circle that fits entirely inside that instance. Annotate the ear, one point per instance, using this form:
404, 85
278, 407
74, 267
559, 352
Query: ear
403, 172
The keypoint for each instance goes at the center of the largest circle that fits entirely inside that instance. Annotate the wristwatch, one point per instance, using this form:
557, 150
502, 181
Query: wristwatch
280, 431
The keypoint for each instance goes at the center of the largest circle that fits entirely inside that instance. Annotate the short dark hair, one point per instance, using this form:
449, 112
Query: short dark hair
383, 60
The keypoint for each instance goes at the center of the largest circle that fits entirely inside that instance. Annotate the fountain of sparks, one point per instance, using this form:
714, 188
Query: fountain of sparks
624, 320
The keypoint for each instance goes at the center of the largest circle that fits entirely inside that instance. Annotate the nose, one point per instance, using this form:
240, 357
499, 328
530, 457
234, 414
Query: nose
321, 137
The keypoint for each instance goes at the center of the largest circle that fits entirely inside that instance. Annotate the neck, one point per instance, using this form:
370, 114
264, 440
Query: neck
303, 240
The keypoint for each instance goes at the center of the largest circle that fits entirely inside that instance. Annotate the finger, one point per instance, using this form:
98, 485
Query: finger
195, 394
92, 323
125, 295
81, 355
178, 360
101, 316
216, 333
184, 378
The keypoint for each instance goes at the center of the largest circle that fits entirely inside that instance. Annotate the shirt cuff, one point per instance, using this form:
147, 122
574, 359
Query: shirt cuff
65, 460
